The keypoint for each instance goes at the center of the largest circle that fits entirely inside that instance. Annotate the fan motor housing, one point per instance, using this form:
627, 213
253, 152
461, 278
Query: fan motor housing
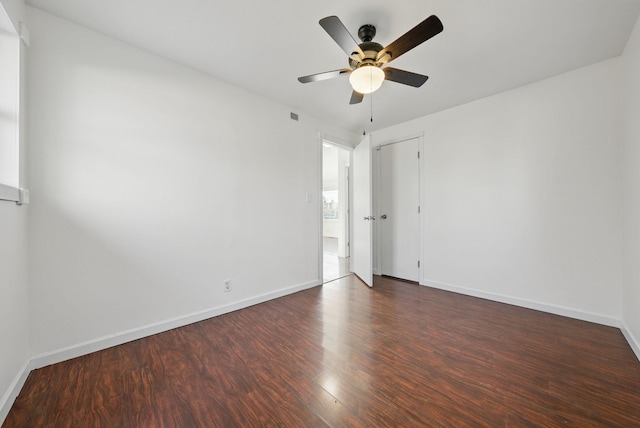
370, 50
366, 33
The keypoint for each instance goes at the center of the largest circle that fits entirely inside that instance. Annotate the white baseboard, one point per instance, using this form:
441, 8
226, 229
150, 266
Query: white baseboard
13, 391
108, 341
530, 304
633, 341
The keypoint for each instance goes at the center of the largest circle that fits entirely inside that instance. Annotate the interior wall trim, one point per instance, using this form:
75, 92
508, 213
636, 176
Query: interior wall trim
538, 306
119, 338
633, 341
14, 389
529, 304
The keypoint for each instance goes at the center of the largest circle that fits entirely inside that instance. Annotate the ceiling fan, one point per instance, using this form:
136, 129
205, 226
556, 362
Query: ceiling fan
367, 58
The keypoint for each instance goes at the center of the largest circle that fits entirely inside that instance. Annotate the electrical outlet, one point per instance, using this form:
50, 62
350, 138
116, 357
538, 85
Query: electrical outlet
227, 285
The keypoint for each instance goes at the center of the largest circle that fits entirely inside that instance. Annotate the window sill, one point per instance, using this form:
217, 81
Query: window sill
9, 193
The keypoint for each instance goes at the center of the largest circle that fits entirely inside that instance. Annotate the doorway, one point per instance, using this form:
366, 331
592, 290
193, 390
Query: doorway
336, 164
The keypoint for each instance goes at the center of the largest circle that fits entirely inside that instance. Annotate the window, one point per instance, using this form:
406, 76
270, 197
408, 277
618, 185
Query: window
9, 109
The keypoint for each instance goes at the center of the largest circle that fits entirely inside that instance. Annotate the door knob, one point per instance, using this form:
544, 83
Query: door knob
366, 218
383, 216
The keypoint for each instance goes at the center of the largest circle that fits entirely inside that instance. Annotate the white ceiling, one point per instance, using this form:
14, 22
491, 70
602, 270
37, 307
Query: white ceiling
487, 46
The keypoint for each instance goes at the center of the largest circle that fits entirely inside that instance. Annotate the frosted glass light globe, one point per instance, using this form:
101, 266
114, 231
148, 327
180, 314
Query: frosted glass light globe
366, 79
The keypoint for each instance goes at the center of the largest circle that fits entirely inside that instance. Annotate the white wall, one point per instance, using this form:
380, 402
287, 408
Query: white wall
631, 168
523, 194
14, 310
14, 307
153, 183
15, 10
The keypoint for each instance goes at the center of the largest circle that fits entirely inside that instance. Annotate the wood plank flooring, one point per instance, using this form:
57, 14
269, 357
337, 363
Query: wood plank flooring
397, 355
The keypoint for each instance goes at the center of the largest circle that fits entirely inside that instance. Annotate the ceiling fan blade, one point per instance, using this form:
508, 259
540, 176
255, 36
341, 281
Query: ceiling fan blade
404, 77
338, 32
412, 38
323, 76
356, 97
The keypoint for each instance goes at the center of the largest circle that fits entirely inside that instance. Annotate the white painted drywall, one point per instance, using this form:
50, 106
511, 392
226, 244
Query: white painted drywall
631, 168
152, 183
523, 194
15, 10
14, 309
14, 293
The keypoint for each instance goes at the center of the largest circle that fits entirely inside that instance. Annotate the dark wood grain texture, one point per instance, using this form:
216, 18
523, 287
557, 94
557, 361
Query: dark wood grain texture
342, 354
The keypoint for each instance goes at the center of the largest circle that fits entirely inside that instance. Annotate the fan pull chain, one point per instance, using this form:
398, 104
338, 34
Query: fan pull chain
371, 98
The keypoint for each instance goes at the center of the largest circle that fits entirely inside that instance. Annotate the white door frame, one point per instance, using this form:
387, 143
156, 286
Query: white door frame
376, 199
324, 138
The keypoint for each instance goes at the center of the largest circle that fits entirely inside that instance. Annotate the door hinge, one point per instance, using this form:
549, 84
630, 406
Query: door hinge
418, 209
418, 155
418, 263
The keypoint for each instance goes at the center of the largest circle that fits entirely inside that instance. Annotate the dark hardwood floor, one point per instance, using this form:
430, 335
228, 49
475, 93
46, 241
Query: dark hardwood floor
342, 354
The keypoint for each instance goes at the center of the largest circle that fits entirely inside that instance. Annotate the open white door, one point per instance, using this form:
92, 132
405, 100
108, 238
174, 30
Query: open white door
362, 254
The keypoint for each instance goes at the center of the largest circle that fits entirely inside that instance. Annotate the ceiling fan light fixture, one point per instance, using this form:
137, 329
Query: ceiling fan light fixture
366, 79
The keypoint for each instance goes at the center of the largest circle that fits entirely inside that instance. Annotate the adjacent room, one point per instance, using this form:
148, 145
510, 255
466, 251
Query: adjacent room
357, 213
335, 211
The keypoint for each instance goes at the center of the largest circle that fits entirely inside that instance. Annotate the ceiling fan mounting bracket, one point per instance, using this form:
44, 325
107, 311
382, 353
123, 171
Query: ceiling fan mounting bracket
367, 32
